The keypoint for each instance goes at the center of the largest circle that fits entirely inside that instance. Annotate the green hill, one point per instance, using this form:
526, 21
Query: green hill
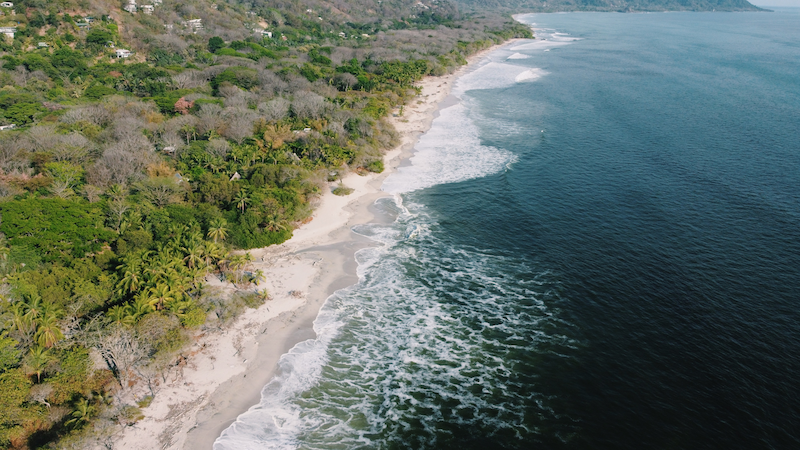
140, 146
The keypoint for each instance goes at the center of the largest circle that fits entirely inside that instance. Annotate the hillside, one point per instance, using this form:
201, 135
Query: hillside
140, 143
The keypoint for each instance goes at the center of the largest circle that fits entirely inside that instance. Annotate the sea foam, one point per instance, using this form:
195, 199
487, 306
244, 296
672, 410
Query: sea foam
530, 75
451, 151
518, 56
425, 346
393, 348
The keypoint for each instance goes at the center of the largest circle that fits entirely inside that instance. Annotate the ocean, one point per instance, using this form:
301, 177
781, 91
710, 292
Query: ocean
597, 247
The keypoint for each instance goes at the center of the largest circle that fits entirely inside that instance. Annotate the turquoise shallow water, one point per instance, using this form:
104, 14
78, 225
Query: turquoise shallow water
599, 247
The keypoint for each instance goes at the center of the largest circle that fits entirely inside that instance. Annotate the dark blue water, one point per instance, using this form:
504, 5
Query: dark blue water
665, 195
597, 248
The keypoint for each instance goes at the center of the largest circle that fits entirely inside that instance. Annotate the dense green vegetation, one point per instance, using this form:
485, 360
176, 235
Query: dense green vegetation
127, 182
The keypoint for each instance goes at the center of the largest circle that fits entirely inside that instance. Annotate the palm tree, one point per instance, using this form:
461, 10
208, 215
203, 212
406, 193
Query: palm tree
22, 324
236, 264
274, 224
116, 192
178, 285
194, 256
160, 295
140, 307
81, 414
48, 333
258, 277
242, 199
120, 315
164, 268
33, 307
37, 360
131, 281
217, 230
193, 237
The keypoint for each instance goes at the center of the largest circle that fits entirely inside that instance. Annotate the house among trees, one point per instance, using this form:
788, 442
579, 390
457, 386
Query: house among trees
147, 9
194, 24
130, 7
8, 31
7, 127
6, 5
122, 53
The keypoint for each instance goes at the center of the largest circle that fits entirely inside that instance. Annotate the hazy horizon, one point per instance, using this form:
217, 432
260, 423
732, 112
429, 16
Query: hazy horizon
778, 3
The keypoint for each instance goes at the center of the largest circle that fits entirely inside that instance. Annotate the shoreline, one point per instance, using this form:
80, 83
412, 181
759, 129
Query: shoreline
227, 369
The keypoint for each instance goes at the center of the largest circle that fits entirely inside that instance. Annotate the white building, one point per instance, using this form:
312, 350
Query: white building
157, 2
8, 31
7, 127
147, 9
122, 53
194, 24
6, 5
130, 7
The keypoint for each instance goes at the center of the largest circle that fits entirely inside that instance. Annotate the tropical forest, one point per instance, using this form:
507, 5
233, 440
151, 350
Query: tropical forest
145, 148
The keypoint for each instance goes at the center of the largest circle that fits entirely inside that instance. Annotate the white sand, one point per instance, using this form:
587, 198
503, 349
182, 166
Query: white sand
226, 370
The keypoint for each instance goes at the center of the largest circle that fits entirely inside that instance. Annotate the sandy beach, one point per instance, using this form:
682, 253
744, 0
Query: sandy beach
226, 370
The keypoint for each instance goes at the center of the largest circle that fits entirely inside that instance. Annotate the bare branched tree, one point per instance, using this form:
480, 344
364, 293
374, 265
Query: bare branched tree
122, 351
239, 123
308, 105
208, 118
42, 138
345, 81
73, 147
275, 109
92, 193
122, 162
218, 147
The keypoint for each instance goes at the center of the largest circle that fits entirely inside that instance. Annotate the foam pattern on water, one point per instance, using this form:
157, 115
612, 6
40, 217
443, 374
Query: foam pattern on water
428, 346
450, 152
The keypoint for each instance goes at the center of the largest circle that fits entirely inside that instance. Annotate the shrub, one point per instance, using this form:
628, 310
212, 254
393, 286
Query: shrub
375, 166
98, 91
243, 77
215, 43
342, 190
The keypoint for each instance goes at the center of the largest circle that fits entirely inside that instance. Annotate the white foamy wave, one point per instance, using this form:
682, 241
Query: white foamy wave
275, 423
544, 44
423, 339
518, 56
450, 152
492, 75
530, 75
